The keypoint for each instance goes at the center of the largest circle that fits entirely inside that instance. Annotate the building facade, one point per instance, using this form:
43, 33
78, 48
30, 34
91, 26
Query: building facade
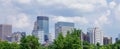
95, 35
118, 36
63, 27
16, 36
5, 31
85, 37
116, 39
107, 40
51, 37
41, 28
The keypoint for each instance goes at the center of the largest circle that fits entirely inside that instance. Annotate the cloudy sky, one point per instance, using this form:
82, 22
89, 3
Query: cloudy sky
84, 13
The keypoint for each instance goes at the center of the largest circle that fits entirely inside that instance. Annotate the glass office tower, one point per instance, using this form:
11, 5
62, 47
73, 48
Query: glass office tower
41, 25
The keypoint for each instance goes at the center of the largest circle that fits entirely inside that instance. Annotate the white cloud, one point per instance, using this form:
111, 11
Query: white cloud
103, 19
76, 19
84, 5
4, 2
80, 20
23, 1
112, 4
117, 12
19, 21
61, 18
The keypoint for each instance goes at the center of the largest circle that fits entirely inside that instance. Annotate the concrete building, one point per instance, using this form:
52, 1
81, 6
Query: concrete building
5, 31
85, 37
116, 39
107, 40
41, 37
118, 36
63, 27
41, 28
16, 36
95, 35
51, 37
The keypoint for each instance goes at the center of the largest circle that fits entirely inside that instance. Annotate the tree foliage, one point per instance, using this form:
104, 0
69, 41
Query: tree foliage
29, 42
6, 45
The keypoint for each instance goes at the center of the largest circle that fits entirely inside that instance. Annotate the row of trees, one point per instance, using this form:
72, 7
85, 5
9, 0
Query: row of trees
28, 42
71, 41
6, 45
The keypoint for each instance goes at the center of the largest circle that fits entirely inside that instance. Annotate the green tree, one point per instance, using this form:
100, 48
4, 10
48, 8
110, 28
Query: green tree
14, 46
7, 45
117, 45
59, 42
71, 41
29, 42
98, 45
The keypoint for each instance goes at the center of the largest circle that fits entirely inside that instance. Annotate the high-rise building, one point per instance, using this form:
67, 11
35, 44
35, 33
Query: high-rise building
95, 35
5, 31
41, 28
116, 39
63, 27
51, 37
107, 40
118, 36
85, 37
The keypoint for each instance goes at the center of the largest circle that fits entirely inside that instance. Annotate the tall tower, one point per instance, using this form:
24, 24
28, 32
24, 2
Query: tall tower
63, 27
41, 27
5, 31
107, 40
95, 35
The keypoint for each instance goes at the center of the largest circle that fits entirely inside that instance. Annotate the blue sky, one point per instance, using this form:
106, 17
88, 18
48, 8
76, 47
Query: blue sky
84, 13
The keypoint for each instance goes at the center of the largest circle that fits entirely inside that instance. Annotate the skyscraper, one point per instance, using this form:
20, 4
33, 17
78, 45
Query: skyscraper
41, 28
95, 35
85, 37
5, 31
116, 39
107, 40
63, 27
118, 36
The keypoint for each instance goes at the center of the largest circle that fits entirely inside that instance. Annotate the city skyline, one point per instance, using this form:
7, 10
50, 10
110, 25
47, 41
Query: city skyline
85, 14
41, 27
